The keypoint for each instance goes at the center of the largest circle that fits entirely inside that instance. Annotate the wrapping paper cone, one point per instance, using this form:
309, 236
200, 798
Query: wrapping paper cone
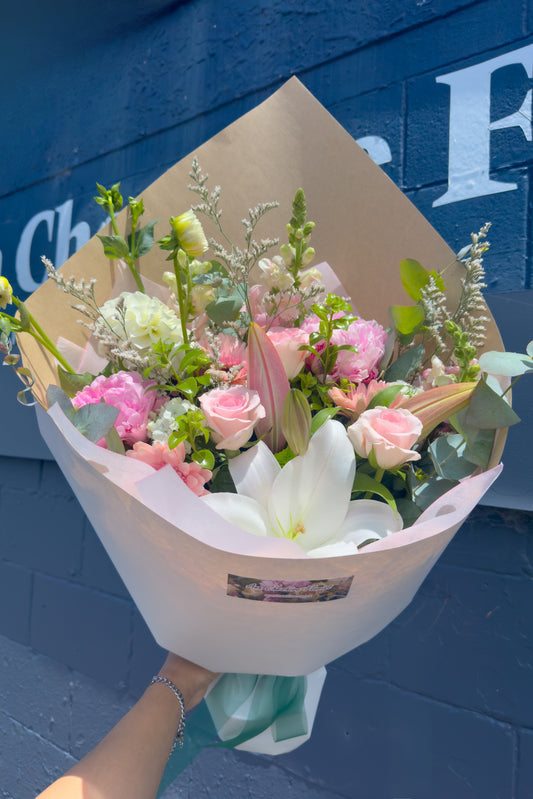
189, 571
216, 594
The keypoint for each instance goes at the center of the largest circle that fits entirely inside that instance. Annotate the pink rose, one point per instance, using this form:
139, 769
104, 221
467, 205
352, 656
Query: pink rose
287, 341
128, 392
231, 414
390, 432
158, 455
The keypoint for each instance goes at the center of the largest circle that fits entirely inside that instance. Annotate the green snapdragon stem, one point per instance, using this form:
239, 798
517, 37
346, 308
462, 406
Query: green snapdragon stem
130, 263
136, 276
46, 342
181, 302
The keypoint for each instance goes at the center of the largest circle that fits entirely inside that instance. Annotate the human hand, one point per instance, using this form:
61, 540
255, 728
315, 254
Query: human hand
192, 680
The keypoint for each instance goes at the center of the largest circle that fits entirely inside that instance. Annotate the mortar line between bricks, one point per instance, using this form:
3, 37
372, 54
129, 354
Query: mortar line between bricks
522, 166
305, 780
37, 735
515, 764
503, 722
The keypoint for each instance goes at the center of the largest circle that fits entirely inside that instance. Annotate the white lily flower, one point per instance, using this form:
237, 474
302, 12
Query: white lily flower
308, 500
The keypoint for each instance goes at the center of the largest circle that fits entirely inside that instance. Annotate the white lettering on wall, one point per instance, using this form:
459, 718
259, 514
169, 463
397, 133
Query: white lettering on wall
470, 126
81, 233
377, 148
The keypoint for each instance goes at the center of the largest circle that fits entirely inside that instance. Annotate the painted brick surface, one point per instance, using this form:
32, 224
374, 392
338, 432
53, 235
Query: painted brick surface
439, 705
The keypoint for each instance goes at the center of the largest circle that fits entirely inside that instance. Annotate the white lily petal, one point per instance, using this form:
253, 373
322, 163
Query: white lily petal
254, 472
367, 518
243, 512
334, 550
314, 489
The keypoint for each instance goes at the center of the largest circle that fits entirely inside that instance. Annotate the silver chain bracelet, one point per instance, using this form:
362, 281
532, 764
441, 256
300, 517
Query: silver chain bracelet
178, 739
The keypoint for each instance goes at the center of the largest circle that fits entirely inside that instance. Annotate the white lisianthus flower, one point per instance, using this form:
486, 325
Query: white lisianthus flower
275, 274
143, 320
308, 500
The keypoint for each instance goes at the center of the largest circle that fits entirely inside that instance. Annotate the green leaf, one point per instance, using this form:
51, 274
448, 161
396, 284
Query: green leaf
225, 309
189, 387
114, 441
408, 510
507, 364
407, 318
55, 394
384, 397
529, 349
479, 443
448, 454
430, 490
414, 277
364, 483
94, 421
405, 364
322, 416
72, 383
115, 246
204, 458
488, 410
176, 438
144, 240
222, 481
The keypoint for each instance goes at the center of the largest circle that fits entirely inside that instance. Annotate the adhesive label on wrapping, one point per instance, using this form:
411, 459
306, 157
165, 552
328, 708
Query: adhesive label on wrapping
288, 590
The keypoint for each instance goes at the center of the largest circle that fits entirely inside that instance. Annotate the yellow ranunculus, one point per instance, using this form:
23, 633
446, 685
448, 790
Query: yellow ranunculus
6, 292
189, 233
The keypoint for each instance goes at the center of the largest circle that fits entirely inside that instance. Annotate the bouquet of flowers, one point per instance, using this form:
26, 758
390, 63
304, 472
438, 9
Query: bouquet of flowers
249, 435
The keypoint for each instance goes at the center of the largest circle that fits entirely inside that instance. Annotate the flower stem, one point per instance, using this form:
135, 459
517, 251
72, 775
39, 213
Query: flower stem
181, 301
43, 338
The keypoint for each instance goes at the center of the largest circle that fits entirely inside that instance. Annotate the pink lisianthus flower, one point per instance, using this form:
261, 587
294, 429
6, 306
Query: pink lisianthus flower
128, 392
358, 398
389, 432
287, 341
232, 414
368, 339
158, 455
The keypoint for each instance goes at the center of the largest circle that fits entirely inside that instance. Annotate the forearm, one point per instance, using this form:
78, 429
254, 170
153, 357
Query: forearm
131, 759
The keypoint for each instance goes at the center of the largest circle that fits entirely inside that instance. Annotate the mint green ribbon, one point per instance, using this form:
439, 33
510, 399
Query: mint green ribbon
276, 702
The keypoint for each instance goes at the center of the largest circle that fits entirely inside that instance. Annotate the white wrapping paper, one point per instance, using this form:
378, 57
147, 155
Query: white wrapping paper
176, 555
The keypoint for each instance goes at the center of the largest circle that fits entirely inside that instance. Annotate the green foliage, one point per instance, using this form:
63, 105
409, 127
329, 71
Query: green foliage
488, 410
110, 199
384, 397
115, 247
415, 278
507, 364
364, 484
448, 454
225, 309
93, 421
406, 364
71, 383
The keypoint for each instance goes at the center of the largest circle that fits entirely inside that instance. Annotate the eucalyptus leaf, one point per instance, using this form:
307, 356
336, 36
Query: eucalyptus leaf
448, 454
405, 364
72, 383
430, 490
55, 394
225, 309
479, 443
363, 483
95, 420
408, 510
488, 410
407, 318
507, 364
114, 441
529, 349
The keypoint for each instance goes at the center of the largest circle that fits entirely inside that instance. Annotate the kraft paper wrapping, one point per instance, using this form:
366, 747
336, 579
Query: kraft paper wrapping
175, 554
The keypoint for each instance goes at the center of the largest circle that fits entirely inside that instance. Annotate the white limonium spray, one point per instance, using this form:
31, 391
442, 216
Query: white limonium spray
308, 500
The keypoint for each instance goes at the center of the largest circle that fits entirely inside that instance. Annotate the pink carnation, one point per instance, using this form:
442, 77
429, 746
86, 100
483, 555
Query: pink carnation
158, 455
128, 392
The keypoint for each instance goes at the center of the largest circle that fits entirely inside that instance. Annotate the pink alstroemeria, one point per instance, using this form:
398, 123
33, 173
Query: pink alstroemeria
308, 500
359, 397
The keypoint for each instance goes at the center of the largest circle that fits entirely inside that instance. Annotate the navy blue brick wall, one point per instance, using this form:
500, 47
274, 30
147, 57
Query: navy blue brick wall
440, 704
